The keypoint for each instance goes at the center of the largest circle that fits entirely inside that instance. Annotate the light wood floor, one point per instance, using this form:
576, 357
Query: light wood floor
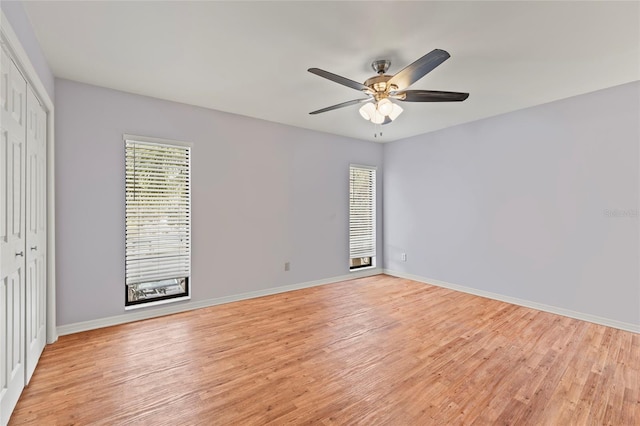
378, 350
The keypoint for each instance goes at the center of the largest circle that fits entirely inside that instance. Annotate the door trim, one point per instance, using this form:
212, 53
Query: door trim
10, 40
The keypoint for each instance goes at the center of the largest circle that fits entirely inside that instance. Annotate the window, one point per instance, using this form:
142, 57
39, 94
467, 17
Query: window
158, 220
362, 216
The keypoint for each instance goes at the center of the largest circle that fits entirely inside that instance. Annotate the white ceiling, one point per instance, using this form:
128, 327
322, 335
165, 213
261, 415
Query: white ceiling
251, 58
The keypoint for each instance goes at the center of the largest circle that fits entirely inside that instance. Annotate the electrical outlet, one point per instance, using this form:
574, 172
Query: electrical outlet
404, 257
287, 266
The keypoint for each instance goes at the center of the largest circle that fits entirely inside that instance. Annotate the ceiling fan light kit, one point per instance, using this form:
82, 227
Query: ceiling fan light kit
382, 112
380, 89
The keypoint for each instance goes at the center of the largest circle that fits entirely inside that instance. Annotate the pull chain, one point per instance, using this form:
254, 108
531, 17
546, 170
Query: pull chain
377, 130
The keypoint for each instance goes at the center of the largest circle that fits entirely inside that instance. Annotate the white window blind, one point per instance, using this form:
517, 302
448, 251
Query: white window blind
158, 212
362, 212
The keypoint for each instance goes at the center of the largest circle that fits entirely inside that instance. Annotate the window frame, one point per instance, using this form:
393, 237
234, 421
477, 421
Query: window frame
144, 140
374, 227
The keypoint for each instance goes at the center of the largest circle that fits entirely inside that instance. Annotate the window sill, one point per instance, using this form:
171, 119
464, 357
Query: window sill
156, 303
365, 268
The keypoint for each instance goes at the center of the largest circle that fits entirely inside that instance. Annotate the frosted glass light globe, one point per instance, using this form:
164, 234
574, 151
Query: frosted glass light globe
395, 112
385, 106
377, 118
367, 111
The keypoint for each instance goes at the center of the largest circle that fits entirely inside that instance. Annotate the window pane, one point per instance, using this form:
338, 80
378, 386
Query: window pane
155, 290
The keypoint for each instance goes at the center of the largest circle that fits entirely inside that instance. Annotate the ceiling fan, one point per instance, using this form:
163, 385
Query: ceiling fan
381, 88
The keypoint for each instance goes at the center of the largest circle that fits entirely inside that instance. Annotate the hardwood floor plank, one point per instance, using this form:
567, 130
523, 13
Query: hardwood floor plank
377, 350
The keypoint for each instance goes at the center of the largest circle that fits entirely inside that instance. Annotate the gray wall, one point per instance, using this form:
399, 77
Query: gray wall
263, 194
17, 17
524, 204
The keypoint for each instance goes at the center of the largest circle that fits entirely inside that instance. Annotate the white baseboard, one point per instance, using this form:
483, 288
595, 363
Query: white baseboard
634, 328
153, 312
188, 306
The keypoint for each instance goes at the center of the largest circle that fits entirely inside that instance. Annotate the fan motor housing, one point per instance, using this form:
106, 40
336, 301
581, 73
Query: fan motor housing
379, 84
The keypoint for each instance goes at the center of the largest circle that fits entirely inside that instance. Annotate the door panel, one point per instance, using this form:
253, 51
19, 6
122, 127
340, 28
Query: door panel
15, 323
36, 232
16, 150
12, 241
4, 178
12, 377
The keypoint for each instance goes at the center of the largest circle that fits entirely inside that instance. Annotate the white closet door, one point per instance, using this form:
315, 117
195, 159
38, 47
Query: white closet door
36, 222
12, 235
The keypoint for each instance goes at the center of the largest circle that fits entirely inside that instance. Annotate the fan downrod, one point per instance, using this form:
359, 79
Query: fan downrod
381, 66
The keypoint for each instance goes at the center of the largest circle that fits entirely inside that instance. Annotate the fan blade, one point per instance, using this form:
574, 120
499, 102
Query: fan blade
342, 105
339, 79
415, 71
429, 96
